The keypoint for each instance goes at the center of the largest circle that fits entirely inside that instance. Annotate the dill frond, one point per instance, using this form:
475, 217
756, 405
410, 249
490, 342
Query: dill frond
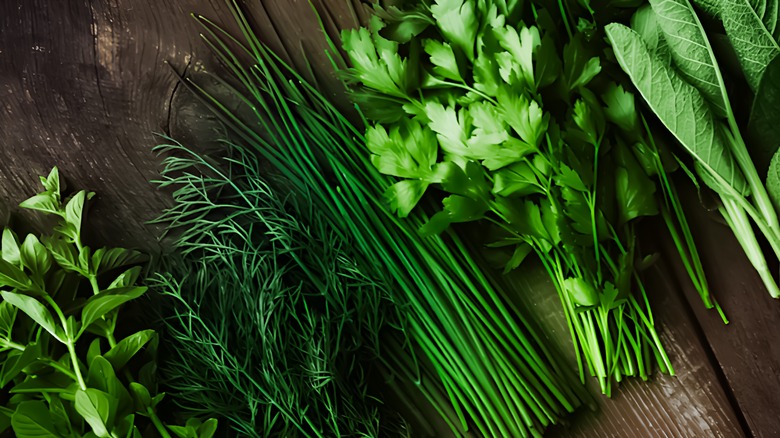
274, 324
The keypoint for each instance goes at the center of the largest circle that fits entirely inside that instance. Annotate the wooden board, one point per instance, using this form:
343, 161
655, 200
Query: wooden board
84, 85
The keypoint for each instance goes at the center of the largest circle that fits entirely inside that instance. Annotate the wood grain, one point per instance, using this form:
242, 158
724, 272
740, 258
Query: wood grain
745, 349
84, 86
691, 404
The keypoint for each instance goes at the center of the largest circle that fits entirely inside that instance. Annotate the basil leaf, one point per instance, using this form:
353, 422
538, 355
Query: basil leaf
128, 347
33, 420
100, 305
95, 407
35, 310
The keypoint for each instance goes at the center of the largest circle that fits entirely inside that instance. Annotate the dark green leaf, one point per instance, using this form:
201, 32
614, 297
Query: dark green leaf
691, 50
679, 105
75, 209
49, 383
33, 420
208, 428
96, 408
16, 361
94, 350
102, 376
519, 179
773, 180
126, 279
143, 399
106, 259
635, 191
751, 27
128, 347
64, 254
764, 126
7, 319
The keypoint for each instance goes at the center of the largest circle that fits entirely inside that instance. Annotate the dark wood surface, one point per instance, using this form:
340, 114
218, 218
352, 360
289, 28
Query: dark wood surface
84, 85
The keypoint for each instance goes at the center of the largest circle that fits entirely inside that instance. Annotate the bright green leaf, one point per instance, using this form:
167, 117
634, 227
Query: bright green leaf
10, 247
98, 306
581, 292
457, 21
35, 310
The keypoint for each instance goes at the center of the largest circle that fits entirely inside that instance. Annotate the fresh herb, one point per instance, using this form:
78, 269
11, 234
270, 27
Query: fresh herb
276, 325
471, 355
67, 374
520, 129
670, 60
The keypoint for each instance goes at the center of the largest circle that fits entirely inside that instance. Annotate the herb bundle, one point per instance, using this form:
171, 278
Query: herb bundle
516, 125
470, 354
275, 326
669, 56
68, 374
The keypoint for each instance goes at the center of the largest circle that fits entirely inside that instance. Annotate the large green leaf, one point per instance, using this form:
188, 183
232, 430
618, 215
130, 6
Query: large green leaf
752, 29
35, 310
690, 48
33, 420
677, 104
95, 407
764, 126
102, 376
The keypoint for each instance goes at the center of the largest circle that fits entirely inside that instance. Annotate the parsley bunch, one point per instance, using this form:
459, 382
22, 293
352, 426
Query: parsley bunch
520, 129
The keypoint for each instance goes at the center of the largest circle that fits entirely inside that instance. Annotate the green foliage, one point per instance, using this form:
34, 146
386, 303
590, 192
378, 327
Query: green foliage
45, 326
688, 94
276, 323
523, 132
454, 314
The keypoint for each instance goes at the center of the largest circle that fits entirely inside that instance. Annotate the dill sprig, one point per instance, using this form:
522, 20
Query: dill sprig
274, 324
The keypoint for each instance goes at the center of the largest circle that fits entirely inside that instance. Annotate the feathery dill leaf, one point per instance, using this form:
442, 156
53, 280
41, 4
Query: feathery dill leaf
274, 324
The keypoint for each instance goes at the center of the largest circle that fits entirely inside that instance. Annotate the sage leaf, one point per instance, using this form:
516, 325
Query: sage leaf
764, 126
691, 50
751, 26
773, 180
679, 106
